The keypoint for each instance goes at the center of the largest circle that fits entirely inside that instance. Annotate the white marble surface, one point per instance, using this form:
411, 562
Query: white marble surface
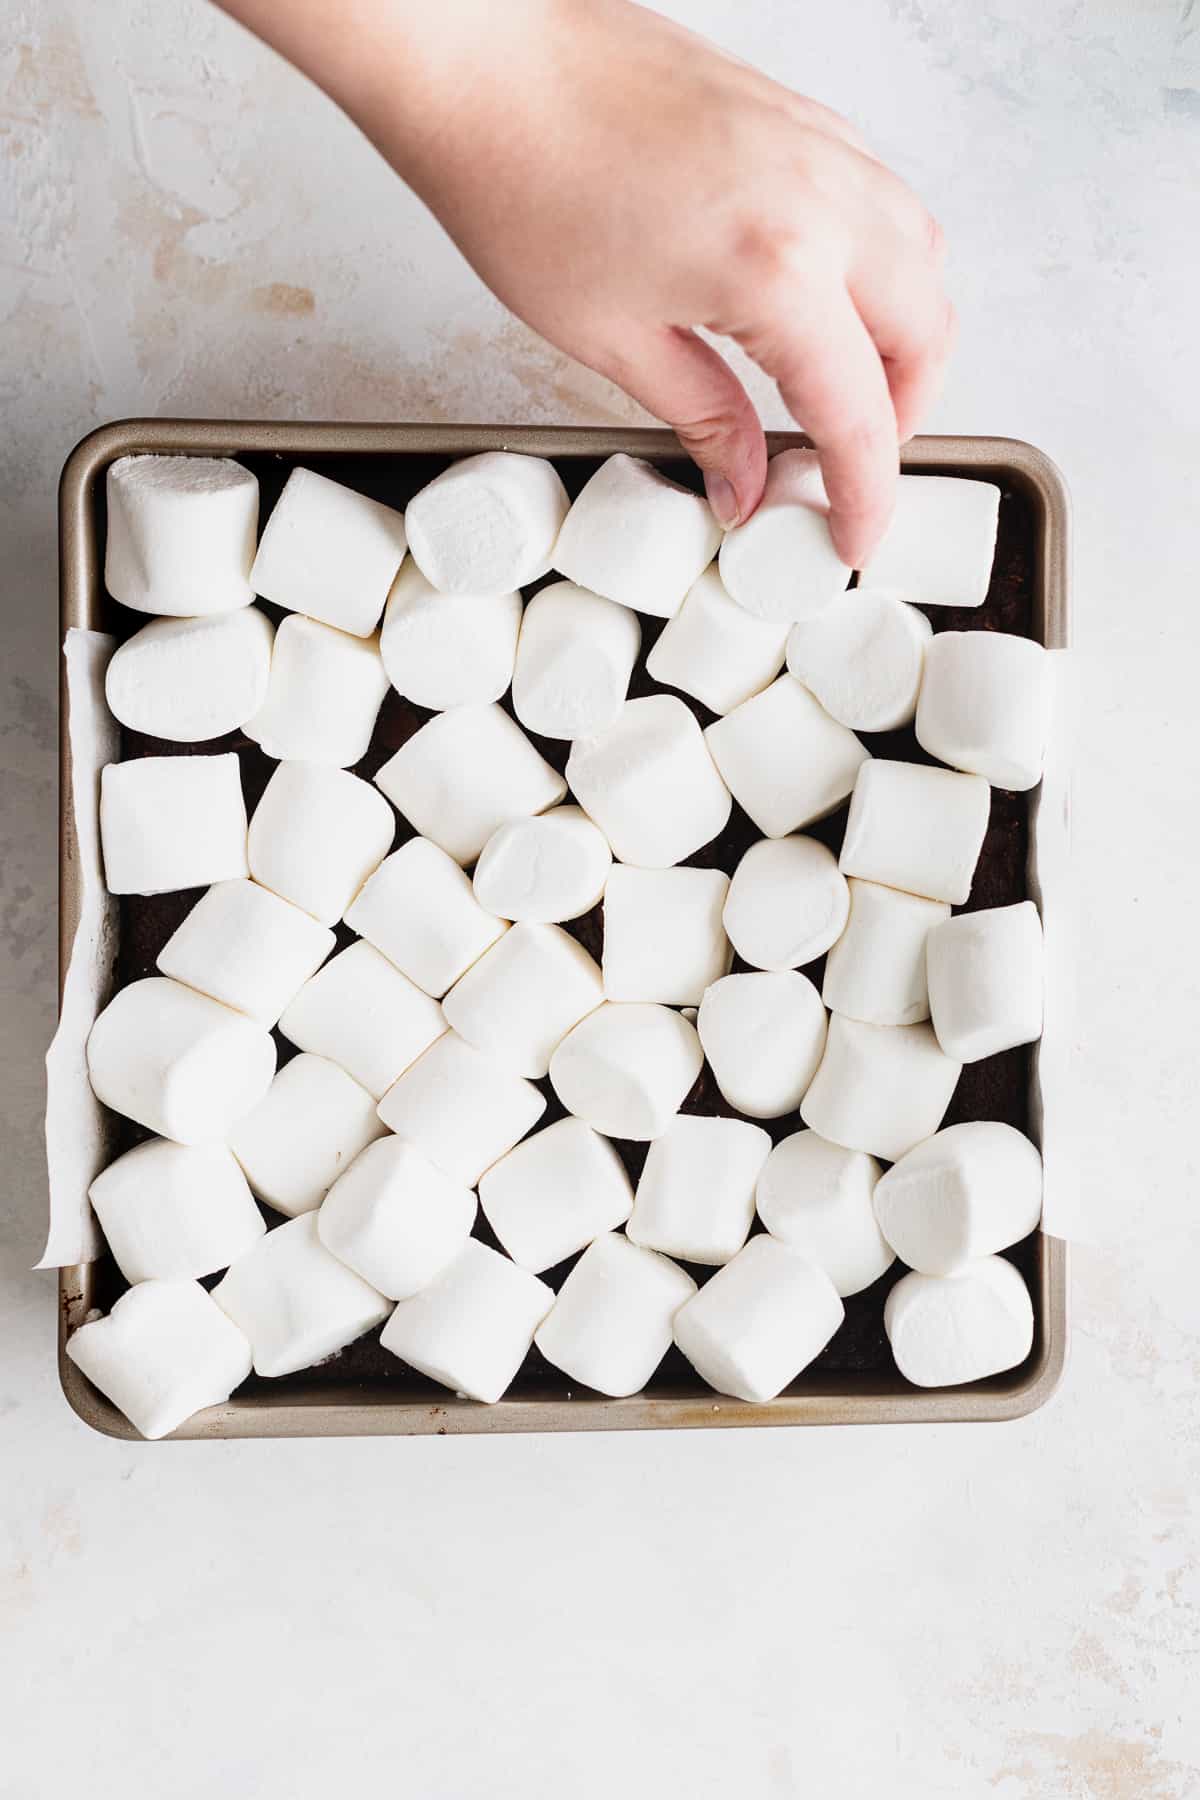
1001, 1612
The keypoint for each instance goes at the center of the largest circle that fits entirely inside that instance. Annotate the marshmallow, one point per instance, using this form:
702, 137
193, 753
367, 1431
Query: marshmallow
916, 828
764, 1036
759, 1321
309, 1126
443, 650
574, 661
364, 1015
487, 524
329, 552
816, 1198
986, 980
460, 1108
520, 1000
297, 1304
663, 937
788, 902
963, 1193
170, 822
637, 537
611, 1324
939, 546
985, 706
466, 773
554, 1193
876, 970
863, 659
179, 1063
187, 680
419, 909
175, 1211
650, 784
947, 1329
880, 1088
627, 1069
544, 870
472, 1327
781, 564
316, 835
785, 761
323, 697
695, 1198
395, 1219
715, 650
181, 533
244, 945
164, 1352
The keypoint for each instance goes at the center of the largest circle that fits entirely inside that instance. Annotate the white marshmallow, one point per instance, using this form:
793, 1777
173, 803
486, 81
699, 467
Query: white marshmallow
364, 1015
244, 945
916, 828
965, 1192
663, 936
487, 524
788, 902
627, 1069
170, 822
815, 1197
554, 1193
181, 533
164, 1352
316, 835
187, 680
880, 1088
650, 784
472, 1327
947, 1329
323, 697
420, 910
395, 1219
715, 650
986, 980
759, 1321
179, 1063
444, 650
545, 870
781, 564
574, 661
461, 1108
863, 659
938, 549
785, 761
985, 706
466, 773
695, 1198
637, 537
329, 552
297, 1304
611, 1324
522, 997
175, 1211
876, 970
764, 1036
309, 1126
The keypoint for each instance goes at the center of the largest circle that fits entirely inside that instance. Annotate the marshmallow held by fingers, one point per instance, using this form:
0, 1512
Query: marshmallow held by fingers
880, 1088
188, 680
462, 1109
947, 1329
816, 1197
164, 1352
650, 783
296, 1303
323, 696
695, 1198
472, 1327
364, 1015
916, 828
788, 902
876, 970
986, 980
764, 1035
574, 660
244, 945
863, 659
170, 822
329, 552
965, 1192
939, 547
544, 870
985, 706
487, 524
175, 1211
611, 1324
781, 564
444, 650
311, 1123
395, 1219
636, 536
554, 1193
518, 1002
785, 761
663, 936
627, 1069
316, 835
419, 909
181, 533
715, 650
759, 1321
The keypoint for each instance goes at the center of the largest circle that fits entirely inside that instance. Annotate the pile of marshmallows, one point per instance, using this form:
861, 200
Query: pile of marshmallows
413, 1099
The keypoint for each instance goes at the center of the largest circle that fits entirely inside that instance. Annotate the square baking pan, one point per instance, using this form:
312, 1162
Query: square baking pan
364, 1391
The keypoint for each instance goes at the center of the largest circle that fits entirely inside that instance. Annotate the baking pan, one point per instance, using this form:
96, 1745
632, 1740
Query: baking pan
366, 1393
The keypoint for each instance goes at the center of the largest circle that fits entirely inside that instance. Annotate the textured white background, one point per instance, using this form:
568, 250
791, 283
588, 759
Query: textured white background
1002, 1612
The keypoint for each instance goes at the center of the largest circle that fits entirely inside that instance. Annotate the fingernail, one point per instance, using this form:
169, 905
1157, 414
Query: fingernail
722, 499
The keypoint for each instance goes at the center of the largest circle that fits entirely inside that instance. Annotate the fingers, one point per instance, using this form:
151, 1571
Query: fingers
901, 301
